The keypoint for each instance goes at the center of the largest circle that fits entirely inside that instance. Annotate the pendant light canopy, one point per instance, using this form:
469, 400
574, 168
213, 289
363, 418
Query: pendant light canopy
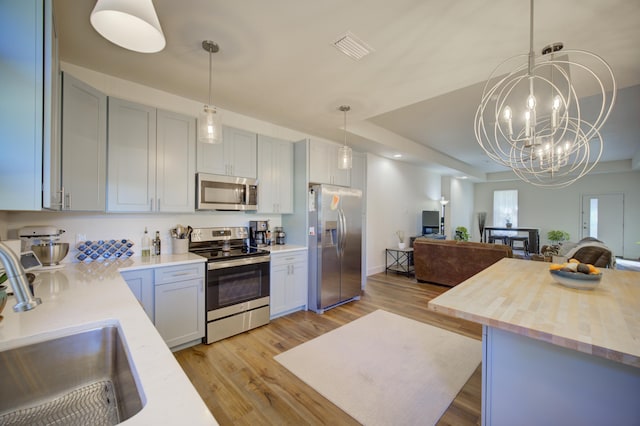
345, 154
530, 118
132, 25
209, 127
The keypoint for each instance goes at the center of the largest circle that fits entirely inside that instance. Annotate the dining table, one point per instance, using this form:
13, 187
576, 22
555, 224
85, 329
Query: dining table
533, 233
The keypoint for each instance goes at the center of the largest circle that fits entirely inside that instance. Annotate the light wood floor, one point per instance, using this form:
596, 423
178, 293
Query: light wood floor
242, 384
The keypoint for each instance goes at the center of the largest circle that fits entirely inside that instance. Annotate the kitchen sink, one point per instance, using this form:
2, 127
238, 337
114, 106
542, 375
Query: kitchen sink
82, 378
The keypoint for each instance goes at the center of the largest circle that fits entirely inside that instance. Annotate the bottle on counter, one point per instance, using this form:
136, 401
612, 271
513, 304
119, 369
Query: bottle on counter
146, 243
157, 244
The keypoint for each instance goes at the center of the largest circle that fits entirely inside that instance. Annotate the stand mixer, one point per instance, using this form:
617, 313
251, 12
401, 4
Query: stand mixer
44, 242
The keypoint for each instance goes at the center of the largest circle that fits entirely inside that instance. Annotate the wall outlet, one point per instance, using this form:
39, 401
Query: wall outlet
81, 237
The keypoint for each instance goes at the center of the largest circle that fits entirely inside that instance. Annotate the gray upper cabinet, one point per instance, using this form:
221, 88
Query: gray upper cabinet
131, 185
323, 164
275, 175
235, 156
151, 159
52, 151
23, 67
84, 146
175, 162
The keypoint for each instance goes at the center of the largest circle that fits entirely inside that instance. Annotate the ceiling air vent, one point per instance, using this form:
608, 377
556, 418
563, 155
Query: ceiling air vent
352, 46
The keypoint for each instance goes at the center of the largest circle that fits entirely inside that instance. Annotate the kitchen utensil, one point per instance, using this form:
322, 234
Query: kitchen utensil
50, 253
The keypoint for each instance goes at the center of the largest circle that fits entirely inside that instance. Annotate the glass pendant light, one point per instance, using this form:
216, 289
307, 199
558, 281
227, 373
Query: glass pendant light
132, 25
209, 127
345, 154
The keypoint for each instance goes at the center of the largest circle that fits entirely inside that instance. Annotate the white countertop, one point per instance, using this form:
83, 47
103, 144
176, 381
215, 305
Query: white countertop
84, 296
275, 249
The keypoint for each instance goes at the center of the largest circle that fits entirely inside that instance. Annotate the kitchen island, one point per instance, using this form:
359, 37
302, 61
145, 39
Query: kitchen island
82, 296
553, 354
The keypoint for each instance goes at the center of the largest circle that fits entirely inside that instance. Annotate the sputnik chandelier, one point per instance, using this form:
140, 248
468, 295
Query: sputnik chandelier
530, 119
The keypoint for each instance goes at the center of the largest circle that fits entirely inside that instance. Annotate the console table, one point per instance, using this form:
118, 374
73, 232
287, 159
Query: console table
534, 235
399, 260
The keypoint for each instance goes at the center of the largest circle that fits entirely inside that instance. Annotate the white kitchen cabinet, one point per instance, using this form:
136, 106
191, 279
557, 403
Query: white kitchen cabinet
141, 284
288, 282
180, 303
275, 175
151, 156
25, 84
84, 146
52, 148
175, 162
323, 164
235, 156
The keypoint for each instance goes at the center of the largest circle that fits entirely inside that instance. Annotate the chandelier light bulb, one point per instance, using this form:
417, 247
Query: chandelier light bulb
507, 113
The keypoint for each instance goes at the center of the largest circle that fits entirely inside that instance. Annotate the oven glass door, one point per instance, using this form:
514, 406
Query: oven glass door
237, 284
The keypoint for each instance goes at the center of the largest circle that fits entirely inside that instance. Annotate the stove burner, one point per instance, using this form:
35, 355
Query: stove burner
218, 244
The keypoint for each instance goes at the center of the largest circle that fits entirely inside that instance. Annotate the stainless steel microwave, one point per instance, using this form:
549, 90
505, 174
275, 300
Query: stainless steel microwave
216, 192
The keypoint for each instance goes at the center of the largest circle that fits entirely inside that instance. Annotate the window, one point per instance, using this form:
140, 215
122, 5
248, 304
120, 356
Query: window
505, 207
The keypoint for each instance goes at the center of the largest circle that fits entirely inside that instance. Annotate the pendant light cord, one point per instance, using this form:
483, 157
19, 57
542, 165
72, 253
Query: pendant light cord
209, 77
345, 127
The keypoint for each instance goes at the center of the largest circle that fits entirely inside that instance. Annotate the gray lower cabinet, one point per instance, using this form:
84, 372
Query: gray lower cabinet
288, 282
179, 303
141, 284
84, 146
174, 299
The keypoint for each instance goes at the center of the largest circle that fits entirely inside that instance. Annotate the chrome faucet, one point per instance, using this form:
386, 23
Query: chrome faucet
18, 280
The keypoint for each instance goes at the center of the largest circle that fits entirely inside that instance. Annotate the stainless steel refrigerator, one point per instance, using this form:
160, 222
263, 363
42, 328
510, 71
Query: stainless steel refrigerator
335, 246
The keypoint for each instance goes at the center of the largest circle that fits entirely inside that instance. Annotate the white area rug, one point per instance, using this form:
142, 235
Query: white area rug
385, 369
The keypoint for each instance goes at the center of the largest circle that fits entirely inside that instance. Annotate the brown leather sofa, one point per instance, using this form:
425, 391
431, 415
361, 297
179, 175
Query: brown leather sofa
450, 262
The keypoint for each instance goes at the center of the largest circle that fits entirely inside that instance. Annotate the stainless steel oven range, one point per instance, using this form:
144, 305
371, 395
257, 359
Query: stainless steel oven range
237, 279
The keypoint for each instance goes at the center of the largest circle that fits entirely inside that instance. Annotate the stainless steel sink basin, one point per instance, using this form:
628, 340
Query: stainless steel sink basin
83, 378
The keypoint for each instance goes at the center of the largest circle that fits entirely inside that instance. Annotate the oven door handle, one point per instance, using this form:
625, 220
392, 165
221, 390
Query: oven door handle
238, 262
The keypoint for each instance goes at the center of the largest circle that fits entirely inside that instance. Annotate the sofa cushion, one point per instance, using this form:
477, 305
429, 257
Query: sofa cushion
450, 262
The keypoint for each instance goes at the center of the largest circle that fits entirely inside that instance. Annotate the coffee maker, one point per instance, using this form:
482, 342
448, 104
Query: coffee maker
258, 230
280, 235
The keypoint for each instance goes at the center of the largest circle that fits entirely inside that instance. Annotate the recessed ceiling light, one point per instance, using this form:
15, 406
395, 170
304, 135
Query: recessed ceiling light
397, 155
352, 46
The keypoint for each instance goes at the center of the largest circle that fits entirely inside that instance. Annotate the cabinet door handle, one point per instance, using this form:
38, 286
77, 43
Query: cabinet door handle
158, 205
67, 198
60, 198
150, 204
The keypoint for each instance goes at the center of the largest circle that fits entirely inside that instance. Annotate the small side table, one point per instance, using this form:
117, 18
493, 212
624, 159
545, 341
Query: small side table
399, 260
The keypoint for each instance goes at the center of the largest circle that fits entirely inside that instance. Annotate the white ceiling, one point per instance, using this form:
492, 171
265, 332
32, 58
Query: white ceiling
416, 94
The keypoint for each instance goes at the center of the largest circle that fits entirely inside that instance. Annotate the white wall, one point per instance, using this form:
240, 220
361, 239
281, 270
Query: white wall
460, 208
397, 192
561, 208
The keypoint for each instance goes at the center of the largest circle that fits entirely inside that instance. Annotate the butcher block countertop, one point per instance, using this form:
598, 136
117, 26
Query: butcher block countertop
520, 296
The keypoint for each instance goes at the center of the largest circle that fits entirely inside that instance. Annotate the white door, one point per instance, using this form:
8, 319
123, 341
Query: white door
602, 218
